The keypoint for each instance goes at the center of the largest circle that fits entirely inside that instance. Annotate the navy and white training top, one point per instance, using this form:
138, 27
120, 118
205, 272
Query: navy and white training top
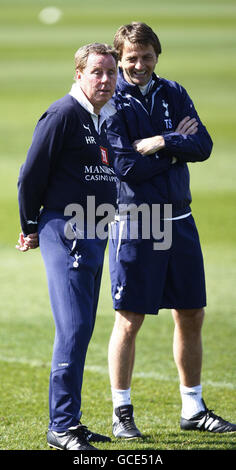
67, 161
155, 179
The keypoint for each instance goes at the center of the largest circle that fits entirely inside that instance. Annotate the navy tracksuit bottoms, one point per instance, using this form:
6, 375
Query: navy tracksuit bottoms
74, 276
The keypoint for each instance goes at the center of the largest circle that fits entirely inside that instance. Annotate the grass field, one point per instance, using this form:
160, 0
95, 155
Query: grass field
198, 40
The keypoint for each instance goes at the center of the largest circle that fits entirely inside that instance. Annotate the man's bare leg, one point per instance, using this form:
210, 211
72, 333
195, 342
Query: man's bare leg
121, 356
187, 349
121, 352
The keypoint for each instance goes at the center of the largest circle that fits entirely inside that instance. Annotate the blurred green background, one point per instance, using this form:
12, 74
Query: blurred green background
198, 40
37, 67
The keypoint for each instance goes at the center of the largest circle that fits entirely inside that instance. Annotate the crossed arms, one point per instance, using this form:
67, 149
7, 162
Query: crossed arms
151, 145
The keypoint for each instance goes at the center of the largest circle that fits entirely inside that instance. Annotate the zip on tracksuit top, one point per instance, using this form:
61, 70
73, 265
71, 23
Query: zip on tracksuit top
68, 160
155, 179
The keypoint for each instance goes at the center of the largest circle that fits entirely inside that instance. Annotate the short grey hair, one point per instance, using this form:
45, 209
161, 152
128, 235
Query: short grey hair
81, 55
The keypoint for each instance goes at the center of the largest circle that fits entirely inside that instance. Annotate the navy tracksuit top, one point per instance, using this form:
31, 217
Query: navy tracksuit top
155, 179
67, 161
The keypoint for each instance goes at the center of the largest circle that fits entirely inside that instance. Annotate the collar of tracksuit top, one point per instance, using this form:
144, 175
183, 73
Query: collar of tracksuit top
140, 97
107, 110
141, 93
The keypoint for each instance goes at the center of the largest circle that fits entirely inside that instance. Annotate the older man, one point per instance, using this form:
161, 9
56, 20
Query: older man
69, 139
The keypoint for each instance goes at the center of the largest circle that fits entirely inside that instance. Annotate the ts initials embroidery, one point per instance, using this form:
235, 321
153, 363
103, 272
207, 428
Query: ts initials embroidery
104, 155
168, 122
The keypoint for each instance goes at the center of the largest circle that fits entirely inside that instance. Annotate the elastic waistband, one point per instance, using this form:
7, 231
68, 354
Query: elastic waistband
131, 211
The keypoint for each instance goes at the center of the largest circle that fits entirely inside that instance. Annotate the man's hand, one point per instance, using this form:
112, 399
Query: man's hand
187, 126
29, 242
149, 145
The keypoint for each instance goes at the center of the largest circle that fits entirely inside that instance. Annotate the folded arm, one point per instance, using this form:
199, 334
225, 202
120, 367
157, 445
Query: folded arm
190, 142
129, 164
156, 143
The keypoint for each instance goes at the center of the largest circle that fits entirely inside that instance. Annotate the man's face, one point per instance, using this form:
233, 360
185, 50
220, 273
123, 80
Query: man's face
98, 79
138, 63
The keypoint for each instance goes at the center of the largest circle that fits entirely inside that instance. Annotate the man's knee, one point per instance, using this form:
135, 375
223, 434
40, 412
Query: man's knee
188, 313
129, 322
192, 317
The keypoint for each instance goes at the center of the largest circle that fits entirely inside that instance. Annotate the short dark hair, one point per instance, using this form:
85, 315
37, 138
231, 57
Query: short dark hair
136, 32
81, 55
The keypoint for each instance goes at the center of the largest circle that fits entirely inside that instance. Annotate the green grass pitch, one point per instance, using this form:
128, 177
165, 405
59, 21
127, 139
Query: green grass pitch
198, 41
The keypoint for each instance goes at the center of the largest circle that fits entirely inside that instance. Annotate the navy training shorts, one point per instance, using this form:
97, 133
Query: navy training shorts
144, 280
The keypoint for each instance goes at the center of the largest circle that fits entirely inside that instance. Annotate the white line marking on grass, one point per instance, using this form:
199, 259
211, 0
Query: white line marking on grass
24, 361
104, 371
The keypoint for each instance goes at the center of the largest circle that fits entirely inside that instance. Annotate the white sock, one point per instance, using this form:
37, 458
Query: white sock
120, 398
191, 401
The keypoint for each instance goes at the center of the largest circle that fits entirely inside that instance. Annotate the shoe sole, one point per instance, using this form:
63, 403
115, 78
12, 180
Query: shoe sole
207, 431
128, 438
54, 447
59, 448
